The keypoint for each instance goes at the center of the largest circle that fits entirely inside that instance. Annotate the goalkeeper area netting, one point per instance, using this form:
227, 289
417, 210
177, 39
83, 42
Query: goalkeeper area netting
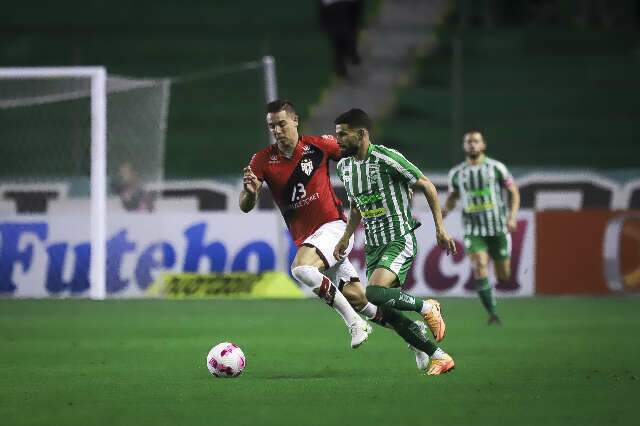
46, 128
55, 161
84, 206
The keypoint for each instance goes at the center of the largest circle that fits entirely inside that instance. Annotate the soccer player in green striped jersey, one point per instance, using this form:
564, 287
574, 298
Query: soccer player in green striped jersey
378, 181
479, 183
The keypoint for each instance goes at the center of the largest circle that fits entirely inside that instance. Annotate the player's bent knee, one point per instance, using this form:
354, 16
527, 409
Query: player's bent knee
306, 275
480, 274
481, 264
355, 296
479, 260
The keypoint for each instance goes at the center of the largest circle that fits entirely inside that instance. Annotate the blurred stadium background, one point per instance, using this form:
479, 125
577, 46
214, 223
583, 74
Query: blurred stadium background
552, 84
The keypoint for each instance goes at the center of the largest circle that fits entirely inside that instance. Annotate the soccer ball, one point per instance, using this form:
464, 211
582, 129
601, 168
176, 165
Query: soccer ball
226, 360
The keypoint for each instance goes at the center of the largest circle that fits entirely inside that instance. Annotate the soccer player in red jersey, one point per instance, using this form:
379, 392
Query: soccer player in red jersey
296, 170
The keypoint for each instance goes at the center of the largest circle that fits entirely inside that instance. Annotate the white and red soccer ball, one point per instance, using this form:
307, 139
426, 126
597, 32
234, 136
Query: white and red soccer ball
226, 360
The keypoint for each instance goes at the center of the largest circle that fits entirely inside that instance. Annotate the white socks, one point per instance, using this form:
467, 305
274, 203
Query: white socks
426, 308
345, 310
439, 354
326, 290
370, 310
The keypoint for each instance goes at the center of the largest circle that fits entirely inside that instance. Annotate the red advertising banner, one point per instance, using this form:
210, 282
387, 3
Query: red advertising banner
587, 252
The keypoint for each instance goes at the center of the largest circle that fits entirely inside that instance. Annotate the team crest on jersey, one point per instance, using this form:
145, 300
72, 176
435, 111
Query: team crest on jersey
307, 166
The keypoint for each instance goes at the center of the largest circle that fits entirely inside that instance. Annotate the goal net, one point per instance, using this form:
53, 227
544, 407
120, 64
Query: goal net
76, 147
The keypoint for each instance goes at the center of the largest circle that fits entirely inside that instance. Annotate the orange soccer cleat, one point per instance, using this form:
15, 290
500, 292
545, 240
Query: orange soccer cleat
441, 365
434, 320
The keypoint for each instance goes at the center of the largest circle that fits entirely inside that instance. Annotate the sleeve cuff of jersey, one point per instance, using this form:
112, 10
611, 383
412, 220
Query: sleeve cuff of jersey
415, 176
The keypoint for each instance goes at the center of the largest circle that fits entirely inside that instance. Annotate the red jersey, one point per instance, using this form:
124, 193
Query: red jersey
300, 185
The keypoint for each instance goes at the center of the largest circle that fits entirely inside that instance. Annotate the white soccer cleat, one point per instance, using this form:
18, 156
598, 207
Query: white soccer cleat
422, 359
359, 333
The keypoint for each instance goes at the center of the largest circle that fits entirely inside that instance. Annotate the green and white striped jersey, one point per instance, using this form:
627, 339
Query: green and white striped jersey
480, 189
379, 187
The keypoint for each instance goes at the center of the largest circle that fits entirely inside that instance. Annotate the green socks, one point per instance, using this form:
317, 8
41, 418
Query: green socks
393, 297
486, 297
390, 301
406, 329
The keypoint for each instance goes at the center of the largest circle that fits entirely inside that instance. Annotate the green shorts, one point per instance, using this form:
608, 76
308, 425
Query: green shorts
498, 246
397, 256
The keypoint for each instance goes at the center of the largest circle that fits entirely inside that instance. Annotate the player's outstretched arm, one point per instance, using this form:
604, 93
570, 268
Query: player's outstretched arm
352, 224
514, 206
251, 191
425, 186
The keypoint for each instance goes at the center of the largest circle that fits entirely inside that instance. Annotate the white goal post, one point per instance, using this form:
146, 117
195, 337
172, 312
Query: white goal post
98, 78
76, 181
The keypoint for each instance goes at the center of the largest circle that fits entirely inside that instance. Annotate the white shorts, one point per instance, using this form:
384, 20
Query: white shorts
324, 240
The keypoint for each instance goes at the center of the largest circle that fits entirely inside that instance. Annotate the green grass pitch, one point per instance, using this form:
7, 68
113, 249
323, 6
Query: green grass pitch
555, 361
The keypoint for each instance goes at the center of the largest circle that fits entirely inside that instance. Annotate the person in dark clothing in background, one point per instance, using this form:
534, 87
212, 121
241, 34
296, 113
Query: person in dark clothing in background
132, 194
342, 20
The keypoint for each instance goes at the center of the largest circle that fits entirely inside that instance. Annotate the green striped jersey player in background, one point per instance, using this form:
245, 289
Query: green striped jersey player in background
378, 181
479, 183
